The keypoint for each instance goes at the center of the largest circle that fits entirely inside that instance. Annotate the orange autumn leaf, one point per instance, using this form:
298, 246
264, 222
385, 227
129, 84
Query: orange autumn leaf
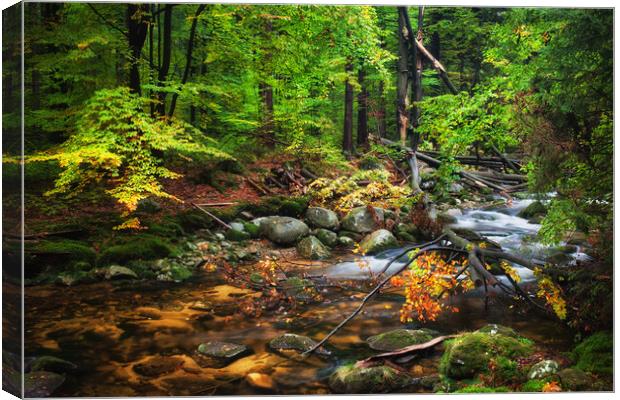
551, 387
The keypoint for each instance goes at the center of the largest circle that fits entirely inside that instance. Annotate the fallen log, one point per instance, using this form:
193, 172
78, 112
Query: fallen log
404, 351
216, 219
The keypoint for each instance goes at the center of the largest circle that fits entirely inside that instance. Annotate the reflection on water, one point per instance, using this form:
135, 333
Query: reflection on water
140, 339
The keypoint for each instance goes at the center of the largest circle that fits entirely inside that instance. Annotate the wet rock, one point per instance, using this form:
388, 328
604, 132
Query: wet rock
283, 230
301, 290
312, 248
468, 355
346, 241
158, 365
361, 220
399, 338
223, 351
41, 383
322, 218
543, 369
149, 312
291, 341
119, 272
381, 379
328, 238
260, 381
574, 379
449, 216
559, 259
52, 364
377, 241
201, 306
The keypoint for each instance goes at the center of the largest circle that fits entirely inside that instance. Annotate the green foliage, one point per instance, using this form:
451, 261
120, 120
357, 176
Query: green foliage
116, 145
139, 247
483, 389
533, 385
595, 354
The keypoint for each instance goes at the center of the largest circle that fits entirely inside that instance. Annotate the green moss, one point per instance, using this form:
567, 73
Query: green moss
71, 251
180, 273
252, 229
533, 385
369, 162
535, 209
483, 389
166, 228
470, 354
279, 205
236, 236
595, 354
143, 247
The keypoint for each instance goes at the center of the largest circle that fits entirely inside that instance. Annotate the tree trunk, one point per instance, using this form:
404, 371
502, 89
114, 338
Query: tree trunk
151, 59
188, 57
381, 122
402, 85
347, 138
417, 84
362, 110
137, 28
166, 58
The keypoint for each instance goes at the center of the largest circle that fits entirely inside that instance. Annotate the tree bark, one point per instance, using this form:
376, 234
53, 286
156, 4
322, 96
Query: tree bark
362, 110
166, 58
417, 84
347, 137
381, 122
402, 86
137, 28
188, 57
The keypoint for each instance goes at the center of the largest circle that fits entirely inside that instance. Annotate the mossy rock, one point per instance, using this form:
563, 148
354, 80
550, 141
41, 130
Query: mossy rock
535, 209
236, 235
291, 341
494, 329
382, 379
143, 247
166, 228
574, 379
252, 229
469, 354
399, 338
327, 237
595, 354
52, 364
70, 251
279, 205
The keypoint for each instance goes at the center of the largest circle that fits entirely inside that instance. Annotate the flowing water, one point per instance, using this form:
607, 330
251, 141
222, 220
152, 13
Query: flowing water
108, 328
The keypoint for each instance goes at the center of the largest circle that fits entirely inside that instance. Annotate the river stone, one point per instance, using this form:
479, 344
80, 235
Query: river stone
237, 235
222, 350
291, 341
574, 379
328, 238
312, 248
543, 369
52, 364
382, 379
322, 217
158, 365
346, 241
283, 230
119, 272
381, 239
356, 237
399, 338
361, 220
41, 383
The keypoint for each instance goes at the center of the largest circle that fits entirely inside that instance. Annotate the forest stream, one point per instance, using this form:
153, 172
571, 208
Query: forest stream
140, 339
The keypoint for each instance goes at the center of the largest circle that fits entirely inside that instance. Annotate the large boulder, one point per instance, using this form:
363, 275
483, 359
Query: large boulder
322, 218
283, 230
535, 209
379, 240
312, 248
381, 379
399, 338
469, 354
361, 220
574, 379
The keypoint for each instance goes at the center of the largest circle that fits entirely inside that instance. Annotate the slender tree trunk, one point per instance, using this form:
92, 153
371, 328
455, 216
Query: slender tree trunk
137, 28
188, 57
381, 122
362, 110
402, 120
166, 58
151, 59
347, 138
417, 83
